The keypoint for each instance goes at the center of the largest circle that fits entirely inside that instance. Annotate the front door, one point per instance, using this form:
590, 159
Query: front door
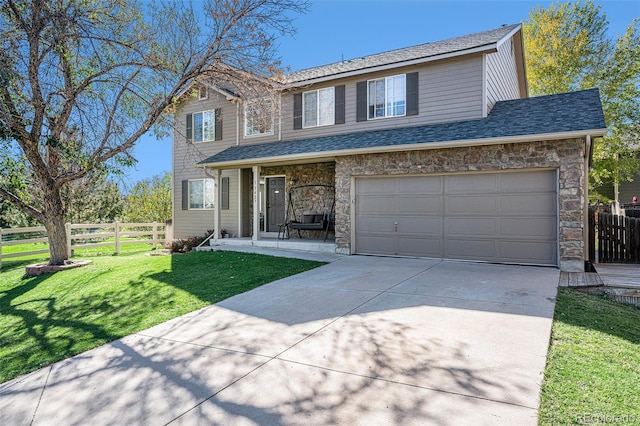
275, 203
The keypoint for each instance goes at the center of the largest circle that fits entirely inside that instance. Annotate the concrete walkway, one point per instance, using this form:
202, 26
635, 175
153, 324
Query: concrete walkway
619, 274
359, 341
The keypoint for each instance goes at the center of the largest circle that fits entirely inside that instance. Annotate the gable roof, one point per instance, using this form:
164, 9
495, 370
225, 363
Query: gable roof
551, 117
478, 42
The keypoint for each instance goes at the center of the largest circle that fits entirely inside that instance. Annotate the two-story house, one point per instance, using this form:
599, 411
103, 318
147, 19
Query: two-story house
434, 150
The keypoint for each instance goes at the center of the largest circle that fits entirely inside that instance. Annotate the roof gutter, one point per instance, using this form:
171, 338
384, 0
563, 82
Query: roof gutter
408, 147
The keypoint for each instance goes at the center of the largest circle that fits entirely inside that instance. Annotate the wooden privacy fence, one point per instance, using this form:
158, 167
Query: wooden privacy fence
618, 238
84, 235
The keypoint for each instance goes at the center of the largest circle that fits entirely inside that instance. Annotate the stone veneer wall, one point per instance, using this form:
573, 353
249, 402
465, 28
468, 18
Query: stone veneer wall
305, 174
566, 155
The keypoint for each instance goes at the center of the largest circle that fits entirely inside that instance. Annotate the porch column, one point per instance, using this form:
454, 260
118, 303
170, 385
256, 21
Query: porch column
256, 203
217, 175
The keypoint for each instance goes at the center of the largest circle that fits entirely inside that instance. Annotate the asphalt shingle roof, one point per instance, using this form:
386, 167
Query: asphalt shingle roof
426, 50
567, 112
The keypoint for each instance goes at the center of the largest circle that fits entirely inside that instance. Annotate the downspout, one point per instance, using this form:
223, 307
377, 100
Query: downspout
585, 191
237, 123
280, 116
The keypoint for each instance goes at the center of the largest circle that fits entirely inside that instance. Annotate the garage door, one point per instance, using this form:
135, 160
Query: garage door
507, 217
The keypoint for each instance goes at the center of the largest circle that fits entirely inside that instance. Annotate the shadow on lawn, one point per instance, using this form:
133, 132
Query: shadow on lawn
598, 313
43, 327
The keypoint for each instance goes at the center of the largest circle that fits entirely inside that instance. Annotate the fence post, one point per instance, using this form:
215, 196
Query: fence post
67, 230
591, 220
155, 235
116, 231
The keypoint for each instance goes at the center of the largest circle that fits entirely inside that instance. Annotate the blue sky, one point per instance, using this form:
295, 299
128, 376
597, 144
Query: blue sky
333, 30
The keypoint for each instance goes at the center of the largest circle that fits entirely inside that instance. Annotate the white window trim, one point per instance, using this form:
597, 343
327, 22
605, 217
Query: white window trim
203, 194
193, 126
317, 91
385, 97
256, 135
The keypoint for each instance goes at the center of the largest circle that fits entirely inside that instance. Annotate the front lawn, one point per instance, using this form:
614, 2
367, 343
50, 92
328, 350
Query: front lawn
51, 317
593, 368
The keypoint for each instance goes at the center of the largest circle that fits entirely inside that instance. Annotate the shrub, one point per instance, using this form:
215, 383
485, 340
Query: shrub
185, 245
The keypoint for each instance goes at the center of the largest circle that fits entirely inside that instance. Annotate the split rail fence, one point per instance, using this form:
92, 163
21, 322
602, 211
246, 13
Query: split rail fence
88, 235
618, 238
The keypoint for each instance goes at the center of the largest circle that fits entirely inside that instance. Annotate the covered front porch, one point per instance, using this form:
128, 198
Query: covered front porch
260, 202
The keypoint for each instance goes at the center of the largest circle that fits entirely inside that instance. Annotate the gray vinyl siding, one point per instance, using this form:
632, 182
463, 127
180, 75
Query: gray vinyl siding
448, 91
185, 157
196, 222
502, 77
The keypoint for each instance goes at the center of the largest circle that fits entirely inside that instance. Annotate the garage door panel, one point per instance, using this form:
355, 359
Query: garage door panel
527, 182
539, 253
380, 205
422, 225
481, 182
375, 224
425, 247
423, 185
530, 228
473, 249
527, 204
377, 244
420, 205
476, 205
485, 226
375, 186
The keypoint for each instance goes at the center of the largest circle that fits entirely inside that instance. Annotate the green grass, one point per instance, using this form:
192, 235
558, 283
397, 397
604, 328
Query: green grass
87, 251
51, 317
593, 368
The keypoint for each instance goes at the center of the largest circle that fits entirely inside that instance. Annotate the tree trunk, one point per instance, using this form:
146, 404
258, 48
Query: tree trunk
54, 223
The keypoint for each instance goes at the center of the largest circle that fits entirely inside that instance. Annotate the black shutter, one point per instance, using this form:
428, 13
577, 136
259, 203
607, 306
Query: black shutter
189, 128
224, 196
412, 93
218, 125
185, 194
297, 111
361, 101
339, 104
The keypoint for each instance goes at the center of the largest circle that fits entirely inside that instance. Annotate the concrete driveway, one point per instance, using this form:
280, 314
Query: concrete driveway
362, 340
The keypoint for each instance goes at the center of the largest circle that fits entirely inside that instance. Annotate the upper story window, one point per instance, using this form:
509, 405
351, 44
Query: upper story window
387, 96
258, 118
321, 107
394, 96
201, 194
318, 107
204, 126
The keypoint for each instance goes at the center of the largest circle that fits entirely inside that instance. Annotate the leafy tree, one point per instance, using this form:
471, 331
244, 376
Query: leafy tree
91, 199
81, 81
150, 200
568, 48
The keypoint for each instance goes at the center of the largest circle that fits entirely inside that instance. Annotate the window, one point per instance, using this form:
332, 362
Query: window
387, 96
203, 93
201, 194
204, 127
318, 107
258, 119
